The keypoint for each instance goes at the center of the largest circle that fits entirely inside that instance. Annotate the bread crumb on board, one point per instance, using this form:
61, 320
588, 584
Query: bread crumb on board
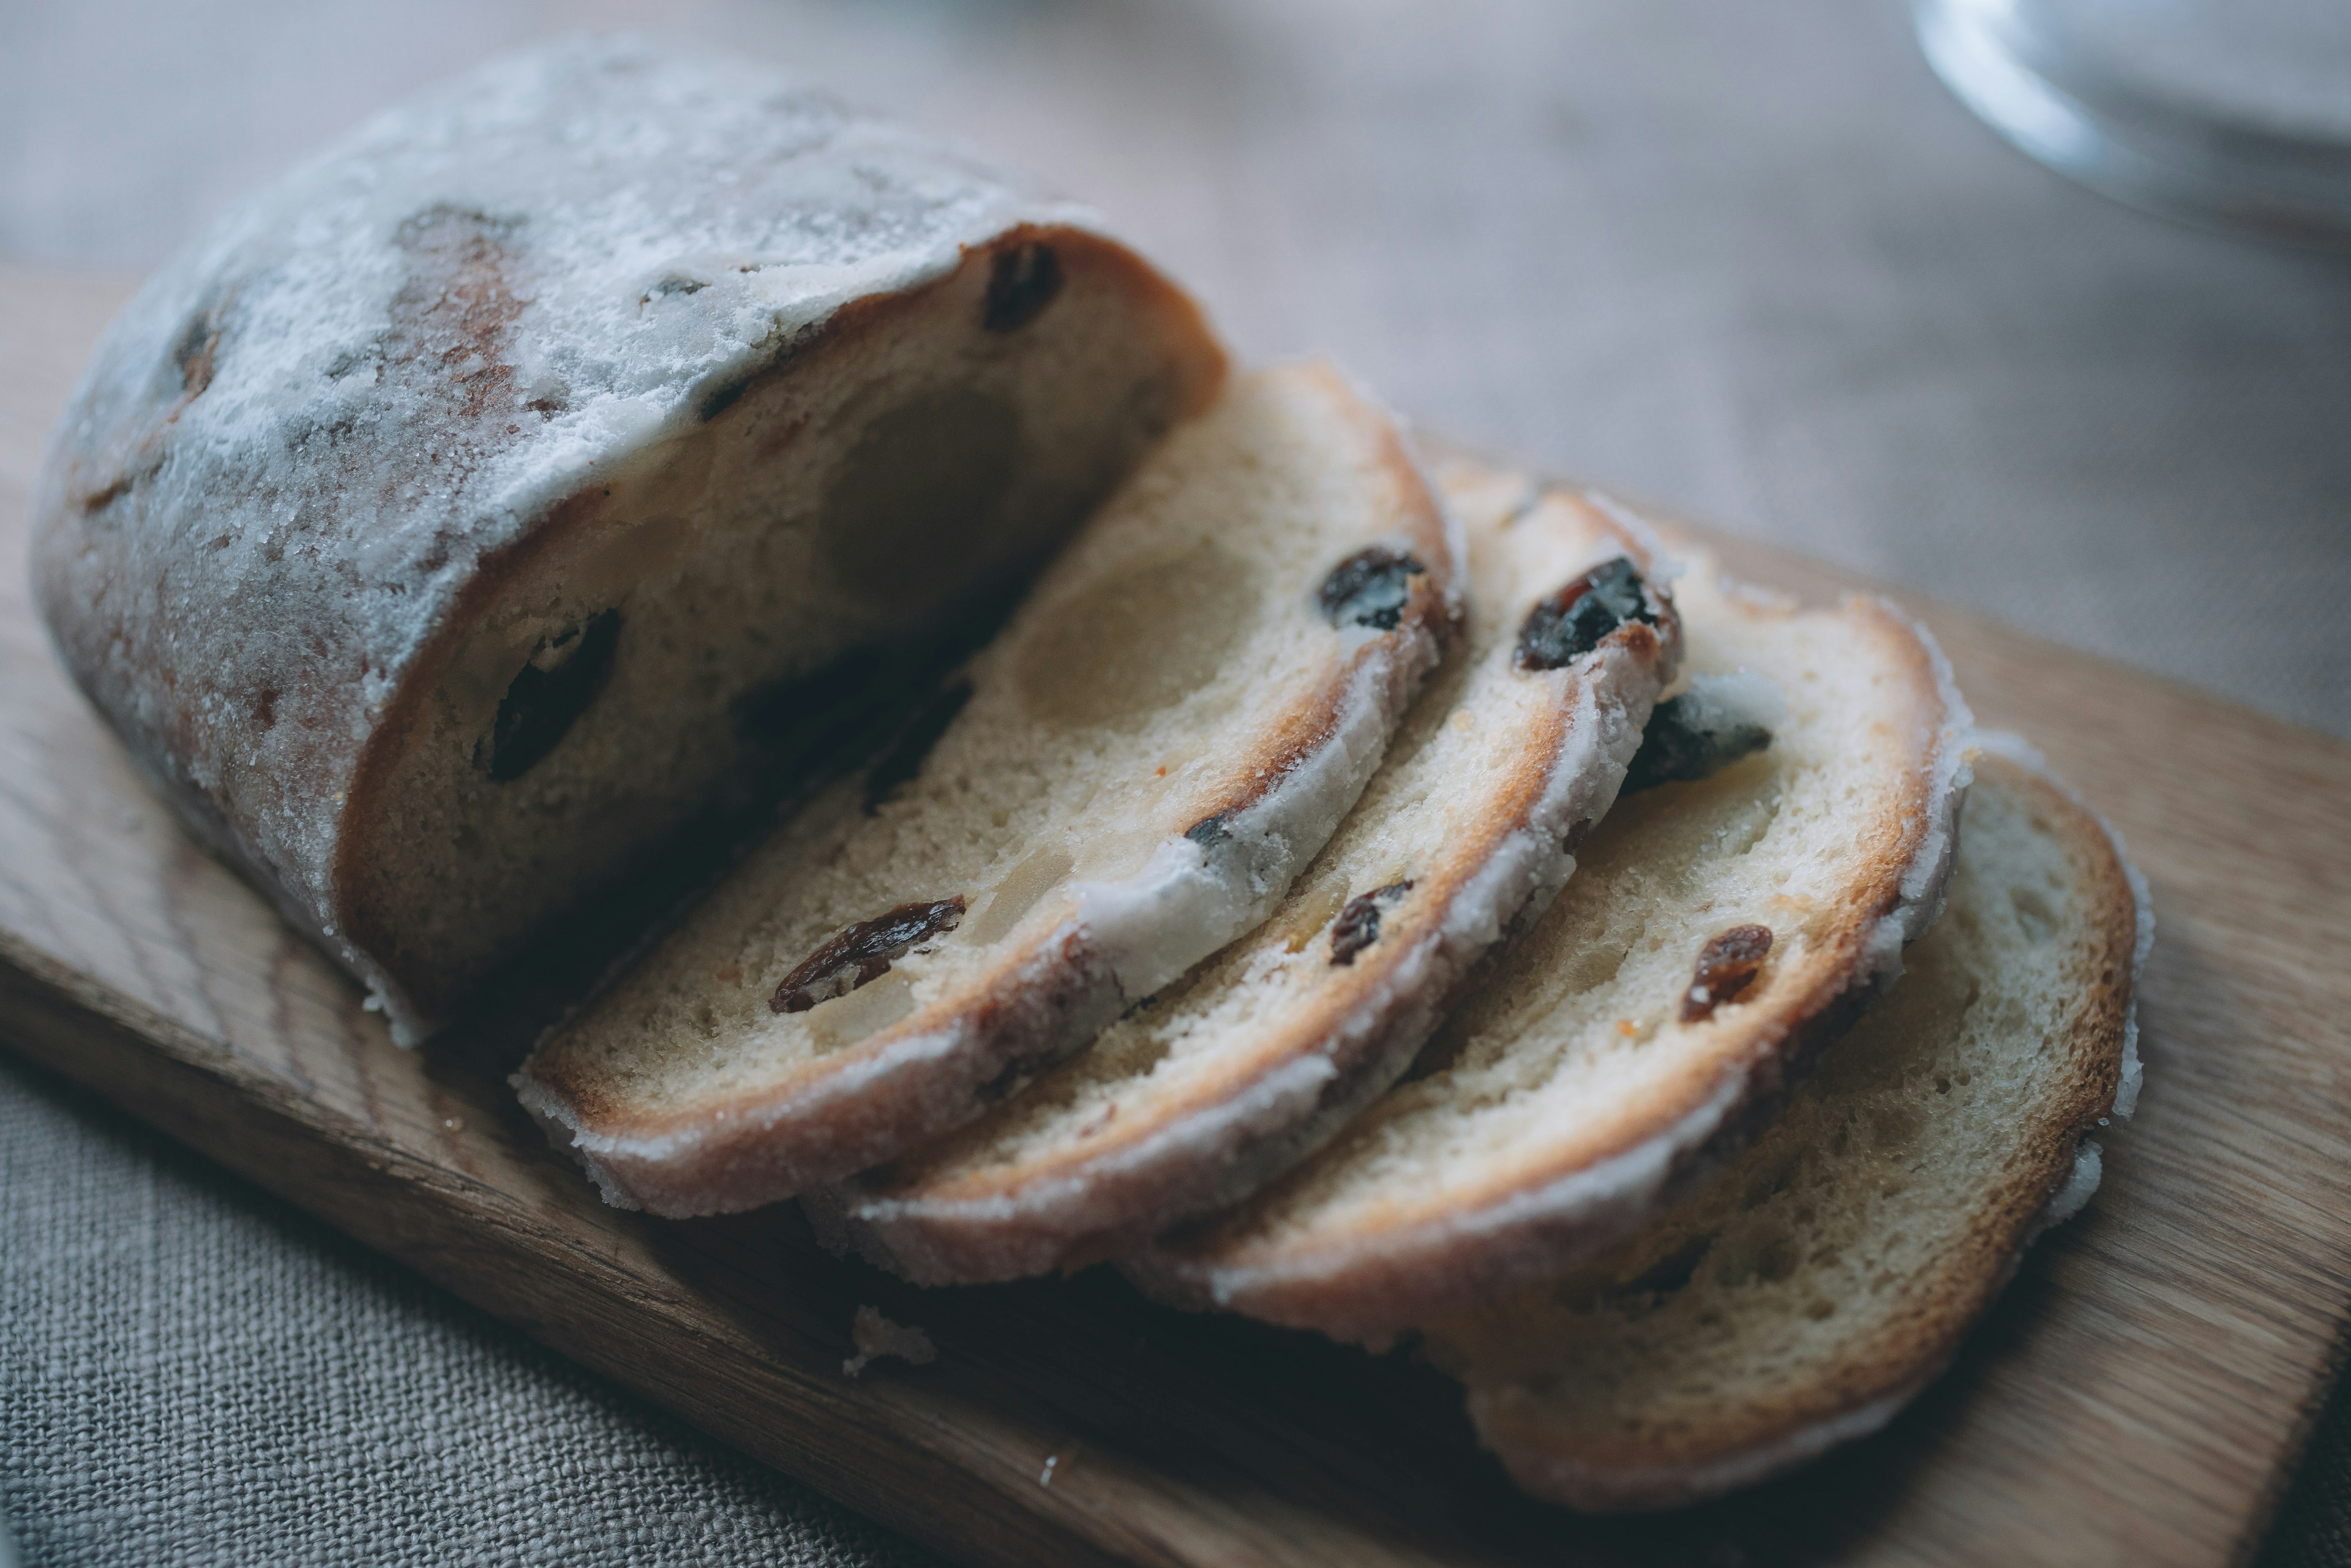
876, 1336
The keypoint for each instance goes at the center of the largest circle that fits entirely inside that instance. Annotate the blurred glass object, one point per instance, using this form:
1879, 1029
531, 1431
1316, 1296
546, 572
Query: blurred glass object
2229, 111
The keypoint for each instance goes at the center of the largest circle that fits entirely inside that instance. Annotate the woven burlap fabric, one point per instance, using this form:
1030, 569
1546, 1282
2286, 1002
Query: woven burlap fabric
1749, 262
195, 1373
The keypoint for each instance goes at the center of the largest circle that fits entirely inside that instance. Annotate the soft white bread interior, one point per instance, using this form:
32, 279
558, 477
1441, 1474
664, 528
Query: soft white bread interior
1196, 1098
1715, 928
712, 607
541, 464
1123, 781
1823, 1276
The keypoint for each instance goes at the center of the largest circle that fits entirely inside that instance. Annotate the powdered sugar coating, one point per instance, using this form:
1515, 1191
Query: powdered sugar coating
298, 443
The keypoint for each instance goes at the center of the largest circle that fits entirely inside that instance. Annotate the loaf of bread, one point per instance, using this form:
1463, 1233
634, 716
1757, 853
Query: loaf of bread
1718, 929
470, 507
1126, 778
1806, 1293
1251, 1060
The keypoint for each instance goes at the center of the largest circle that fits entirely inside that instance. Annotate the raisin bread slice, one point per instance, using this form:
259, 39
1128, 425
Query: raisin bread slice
1823, 1278
530, 473
1195, 1098
1122, 782
1717, 928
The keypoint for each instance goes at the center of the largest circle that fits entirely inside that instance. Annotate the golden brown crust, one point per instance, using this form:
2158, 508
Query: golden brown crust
1640, 1468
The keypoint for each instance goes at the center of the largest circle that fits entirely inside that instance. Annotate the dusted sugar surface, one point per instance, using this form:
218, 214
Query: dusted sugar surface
311, 429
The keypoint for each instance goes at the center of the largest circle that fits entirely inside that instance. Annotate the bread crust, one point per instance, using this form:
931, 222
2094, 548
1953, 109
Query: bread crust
1876, 1375
1052, 993
1297, 1083
319, 439
1375, 1280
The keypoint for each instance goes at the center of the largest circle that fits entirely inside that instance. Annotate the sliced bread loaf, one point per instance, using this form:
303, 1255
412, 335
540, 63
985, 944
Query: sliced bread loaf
1194, 1100
488, 497
1715, 928
1817, 1283
1122, 782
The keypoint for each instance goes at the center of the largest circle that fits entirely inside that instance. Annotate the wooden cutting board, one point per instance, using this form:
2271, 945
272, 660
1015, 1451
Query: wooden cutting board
2138, 1395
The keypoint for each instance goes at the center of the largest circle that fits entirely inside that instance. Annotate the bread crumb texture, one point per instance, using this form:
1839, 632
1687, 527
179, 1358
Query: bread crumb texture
1224, 1078
1551, 1110
1828, 1270
1084, 827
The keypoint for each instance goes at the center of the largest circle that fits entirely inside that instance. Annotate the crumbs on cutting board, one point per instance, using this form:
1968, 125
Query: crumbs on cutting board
876, 1336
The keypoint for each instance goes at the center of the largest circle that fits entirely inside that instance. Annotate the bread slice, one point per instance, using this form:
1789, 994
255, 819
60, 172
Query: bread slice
1122, 782
1193, 1101
1633, 1038
1830, 1271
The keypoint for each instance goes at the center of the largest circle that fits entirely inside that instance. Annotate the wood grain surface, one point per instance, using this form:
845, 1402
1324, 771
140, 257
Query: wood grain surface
2137, 1397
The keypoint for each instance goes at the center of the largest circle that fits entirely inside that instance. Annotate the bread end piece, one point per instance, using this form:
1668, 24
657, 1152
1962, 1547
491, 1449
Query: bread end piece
1831, 1271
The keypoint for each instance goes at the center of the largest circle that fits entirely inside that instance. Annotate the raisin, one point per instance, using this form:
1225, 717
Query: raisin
1358, 926
1208, 831
1569, 623
863, 951
1678, 747
543, 702
1370, 588
903, 763
1021, 282
1724, 966
195, 353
